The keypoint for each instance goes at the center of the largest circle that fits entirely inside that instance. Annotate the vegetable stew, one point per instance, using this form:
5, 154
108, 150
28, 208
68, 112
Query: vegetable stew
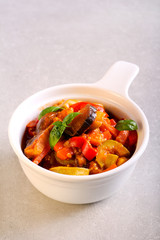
79, 138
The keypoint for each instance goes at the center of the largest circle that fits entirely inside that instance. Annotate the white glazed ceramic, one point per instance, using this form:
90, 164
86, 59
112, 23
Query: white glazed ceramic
112, 91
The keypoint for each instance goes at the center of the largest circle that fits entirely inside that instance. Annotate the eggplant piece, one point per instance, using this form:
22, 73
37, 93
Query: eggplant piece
45, 121
82, 122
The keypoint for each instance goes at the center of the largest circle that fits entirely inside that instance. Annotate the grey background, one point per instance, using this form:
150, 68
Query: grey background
45, 43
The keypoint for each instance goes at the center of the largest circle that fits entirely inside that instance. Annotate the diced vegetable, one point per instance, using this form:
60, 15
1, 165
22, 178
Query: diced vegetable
70, 170
122, 136
79, 105
107, 135
98, 120
132, 138
121, 160
65, 153
66, 162
88, 151
114, 147
76, 141
58, 146
96, 137
113, 122
110, 168
110, 128
107, 161
109, 152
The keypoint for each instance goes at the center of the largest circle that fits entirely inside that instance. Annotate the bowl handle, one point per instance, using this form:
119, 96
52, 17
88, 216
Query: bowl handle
119, 77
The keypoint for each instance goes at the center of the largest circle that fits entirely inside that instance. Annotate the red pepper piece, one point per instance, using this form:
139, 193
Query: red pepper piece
132, 138
76, 141
79, 105
113, 122
88, 151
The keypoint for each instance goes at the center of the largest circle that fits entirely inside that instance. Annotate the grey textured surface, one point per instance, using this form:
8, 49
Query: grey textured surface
45, 43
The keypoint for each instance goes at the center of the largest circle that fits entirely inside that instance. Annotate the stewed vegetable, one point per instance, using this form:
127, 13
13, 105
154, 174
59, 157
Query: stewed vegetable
79, 138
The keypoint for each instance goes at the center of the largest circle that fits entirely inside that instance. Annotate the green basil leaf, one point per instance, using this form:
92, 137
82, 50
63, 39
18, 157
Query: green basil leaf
126, 125
59, 128
68, 119
47, 110
58, 123
56, 134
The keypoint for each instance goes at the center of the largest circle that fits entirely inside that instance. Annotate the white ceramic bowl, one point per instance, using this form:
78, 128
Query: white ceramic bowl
112, 91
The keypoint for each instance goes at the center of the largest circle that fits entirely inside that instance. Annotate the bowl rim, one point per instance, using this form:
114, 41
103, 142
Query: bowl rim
72, 178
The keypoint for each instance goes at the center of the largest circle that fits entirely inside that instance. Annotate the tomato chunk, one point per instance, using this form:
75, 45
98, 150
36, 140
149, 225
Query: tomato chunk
76, 141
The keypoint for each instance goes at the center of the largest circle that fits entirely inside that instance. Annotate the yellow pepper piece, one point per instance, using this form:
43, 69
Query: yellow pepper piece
70, 170
110, 160
121, 160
